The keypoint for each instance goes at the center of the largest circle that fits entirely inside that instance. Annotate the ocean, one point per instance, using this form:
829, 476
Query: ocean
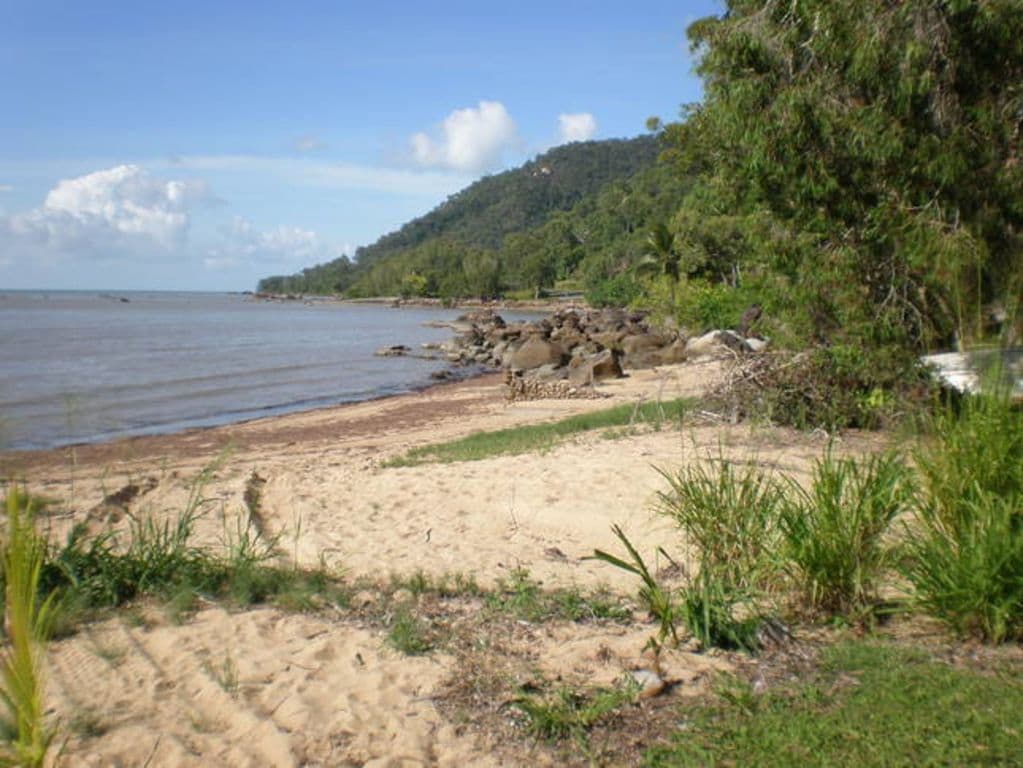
79, 366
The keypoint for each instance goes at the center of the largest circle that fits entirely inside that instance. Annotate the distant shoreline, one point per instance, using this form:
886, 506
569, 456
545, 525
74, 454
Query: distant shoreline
526, 305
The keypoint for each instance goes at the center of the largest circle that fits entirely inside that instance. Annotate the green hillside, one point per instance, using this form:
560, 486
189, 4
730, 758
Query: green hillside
457, 248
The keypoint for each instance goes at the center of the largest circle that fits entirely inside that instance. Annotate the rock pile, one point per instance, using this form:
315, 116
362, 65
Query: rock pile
565, 354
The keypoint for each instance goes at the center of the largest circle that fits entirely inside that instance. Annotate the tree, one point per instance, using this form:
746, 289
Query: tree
660, 256
878, 146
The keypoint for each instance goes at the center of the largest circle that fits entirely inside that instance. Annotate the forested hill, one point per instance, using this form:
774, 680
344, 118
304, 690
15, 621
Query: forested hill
480, 217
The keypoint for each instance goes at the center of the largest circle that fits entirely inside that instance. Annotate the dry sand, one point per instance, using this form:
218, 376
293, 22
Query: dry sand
264, 687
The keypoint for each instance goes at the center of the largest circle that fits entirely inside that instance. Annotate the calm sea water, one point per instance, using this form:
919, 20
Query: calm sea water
80, 366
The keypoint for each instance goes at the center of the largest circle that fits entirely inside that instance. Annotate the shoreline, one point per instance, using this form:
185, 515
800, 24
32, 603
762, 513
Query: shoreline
548, 305
224, 434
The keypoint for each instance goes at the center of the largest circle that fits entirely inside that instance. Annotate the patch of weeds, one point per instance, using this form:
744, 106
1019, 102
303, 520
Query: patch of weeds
409, 635
519, 595
844, 713
601, 605
541, 437
523, 597
569, 713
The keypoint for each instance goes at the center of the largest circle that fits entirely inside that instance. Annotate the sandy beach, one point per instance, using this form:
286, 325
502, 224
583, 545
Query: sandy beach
324, 689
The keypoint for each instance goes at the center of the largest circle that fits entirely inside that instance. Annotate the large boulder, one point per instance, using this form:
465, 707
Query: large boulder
592, 368
674, 353
534, 352
643, 350
715, 343
609, 339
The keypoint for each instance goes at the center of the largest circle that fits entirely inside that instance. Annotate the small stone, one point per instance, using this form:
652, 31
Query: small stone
650, 683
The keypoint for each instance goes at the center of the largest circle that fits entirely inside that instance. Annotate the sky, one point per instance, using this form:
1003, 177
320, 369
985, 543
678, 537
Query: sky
204, 145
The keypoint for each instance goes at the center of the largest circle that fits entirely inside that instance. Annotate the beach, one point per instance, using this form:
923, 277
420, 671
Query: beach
324, 688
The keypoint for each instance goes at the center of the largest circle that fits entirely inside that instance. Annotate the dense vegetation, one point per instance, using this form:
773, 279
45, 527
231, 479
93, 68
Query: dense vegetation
462, 247
859, 164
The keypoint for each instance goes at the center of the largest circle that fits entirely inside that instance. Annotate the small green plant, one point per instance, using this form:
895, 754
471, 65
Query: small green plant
971, 451
25, 736
571, 714
523, 597
654, 597
408, 634
708, 609
971, 576
835, 531
729, 516
226, 674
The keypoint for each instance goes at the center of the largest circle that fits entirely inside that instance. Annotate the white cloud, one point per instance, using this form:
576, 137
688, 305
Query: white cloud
6, 188
581, 126
348, 176
283, 246
471, 140
107, 213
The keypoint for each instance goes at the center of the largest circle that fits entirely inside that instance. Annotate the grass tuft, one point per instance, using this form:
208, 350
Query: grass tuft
965, 548
835, 530
26, 738
730, 516
409, 635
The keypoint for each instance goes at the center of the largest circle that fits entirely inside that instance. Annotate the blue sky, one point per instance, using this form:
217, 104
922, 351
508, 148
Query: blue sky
201, 146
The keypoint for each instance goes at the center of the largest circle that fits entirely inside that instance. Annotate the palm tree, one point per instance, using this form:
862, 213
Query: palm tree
660, 257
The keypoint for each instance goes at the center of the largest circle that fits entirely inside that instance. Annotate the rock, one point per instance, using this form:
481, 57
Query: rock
535, 352
674, 353
756, 344
584, 371
650, 683
608, 339
396, 350
642, 350
632, 345
715, 343
549, 372
442, 375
